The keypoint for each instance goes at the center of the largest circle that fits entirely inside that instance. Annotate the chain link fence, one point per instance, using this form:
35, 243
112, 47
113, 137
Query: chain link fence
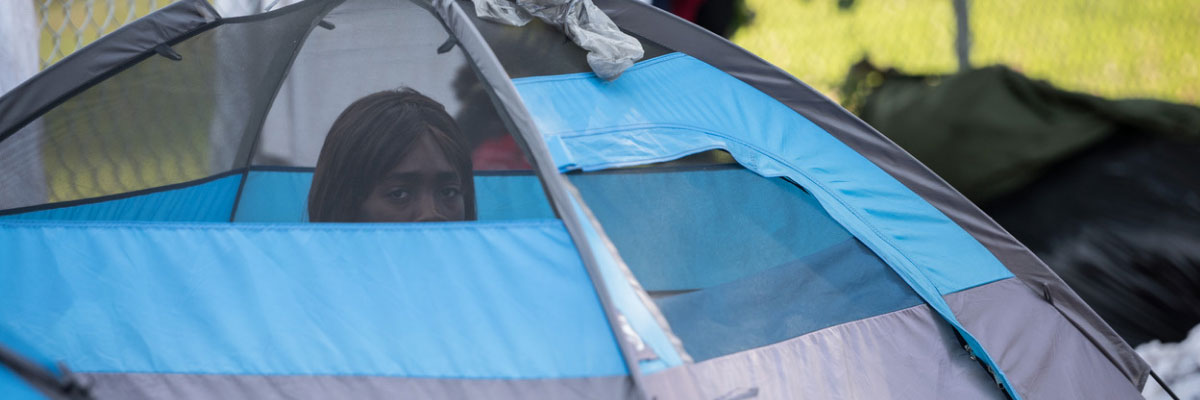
1111, 48
124, 134
68, 25
1114, 48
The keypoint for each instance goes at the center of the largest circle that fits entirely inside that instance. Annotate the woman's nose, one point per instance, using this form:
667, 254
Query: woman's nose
428, 211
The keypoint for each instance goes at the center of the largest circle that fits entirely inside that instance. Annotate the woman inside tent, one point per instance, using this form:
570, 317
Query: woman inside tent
393, 156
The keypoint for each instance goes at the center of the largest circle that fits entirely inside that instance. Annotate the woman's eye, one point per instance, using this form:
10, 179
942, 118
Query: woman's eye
451, 192
398, 194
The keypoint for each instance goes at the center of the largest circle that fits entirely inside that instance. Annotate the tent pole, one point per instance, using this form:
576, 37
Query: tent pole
557, 188
1163, 385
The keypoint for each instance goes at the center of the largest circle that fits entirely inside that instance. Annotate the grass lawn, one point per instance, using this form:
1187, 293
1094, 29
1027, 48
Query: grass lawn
1112, 48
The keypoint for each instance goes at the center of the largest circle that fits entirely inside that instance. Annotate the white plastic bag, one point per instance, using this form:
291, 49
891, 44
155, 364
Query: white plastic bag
610, 51
1177, 363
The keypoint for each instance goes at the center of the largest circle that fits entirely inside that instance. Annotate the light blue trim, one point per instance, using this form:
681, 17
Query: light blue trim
282, 196
210, 201
675, 105
445, 300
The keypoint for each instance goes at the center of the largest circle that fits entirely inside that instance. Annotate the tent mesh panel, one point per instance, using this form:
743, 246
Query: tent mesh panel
156, 123
736, 261
262, 90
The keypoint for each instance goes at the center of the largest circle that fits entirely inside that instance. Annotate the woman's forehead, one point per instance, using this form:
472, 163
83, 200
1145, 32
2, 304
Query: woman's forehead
423, 157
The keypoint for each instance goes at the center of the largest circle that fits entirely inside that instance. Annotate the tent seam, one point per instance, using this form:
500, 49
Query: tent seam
259, 227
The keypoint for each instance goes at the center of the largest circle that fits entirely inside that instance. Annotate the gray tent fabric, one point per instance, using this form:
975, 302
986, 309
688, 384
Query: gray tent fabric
770, 306
133, 386
907, 354
610, 51
672, 32
1042, 363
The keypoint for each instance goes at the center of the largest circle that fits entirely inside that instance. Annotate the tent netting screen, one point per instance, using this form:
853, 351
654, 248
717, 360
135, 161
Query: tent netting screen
733, 260
254, 99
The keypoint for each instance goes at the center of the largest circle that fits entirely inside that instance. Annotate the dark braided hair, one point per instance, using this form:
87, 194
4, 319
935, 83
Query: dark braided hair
368, 139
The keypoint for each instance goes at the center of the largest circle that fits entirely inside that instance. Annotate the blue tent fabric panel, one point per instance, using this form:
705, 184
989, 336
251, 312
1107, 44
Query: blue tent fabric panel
675, 105
840, 284
208, 201
510, 197
687, 229
443, 300
274, 196
282, 196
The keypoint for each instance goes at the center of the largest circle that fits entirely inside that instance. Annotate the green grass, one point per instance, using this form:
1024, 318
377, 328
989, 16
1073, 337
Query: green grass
1112, 48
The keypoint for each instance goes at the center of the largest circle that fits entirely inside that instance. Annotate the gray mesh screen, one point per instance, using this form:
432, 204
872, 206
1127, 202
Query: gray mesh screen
262, 90
156, 123
339, 112
380, 45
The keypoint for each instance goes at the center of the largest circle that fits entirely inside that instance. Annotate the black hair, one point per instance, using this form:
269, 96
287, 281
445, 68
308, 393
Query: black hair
369, 138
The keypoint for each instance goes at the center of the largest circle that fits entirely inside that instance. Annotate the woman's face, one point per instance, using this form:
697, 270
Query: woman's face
422, 187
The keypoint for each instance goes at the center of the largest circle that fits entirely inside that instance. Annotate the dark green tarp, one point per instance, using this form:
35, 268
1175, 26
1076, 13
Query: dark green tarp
1107, 192
990, 131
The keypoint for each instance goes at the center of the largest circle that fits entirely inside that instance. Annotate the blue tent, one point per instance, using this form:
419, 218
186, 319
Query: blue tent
703, 226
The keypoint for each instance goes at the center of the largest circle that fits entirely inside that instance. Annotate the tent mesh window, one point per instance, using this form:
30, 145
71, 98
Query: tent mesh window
242, 116
149, 125
734, 260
